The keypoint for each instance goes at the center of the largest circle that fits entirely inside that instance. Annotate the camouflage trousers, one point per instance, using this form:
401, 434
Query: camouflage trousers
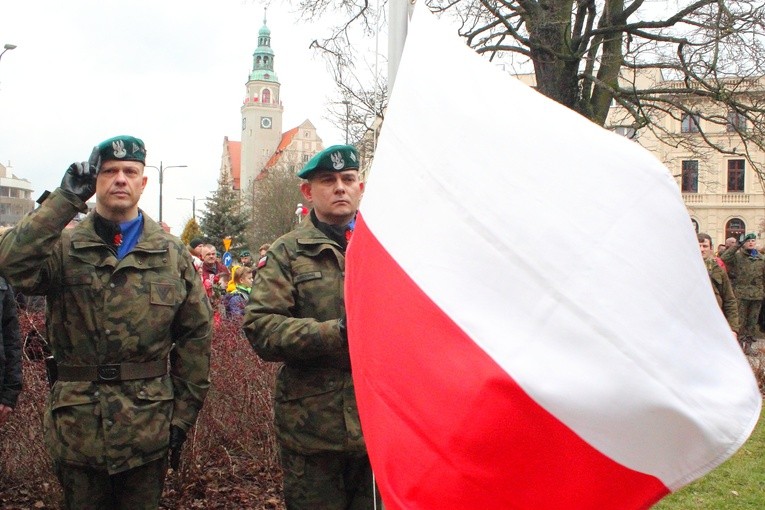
94, 489
328, 481
749, 314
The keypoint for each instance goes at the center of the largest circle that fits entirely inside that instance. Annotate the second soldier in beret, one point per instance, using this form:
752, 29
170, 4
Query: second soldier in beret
296, 315
748, 264
129, 327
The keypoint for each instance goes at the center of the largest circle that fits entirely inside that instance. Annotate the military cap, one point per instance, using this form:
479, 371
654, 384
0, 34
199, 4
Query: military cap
337, 158
749, 236
123, 148
245, 253
195, 242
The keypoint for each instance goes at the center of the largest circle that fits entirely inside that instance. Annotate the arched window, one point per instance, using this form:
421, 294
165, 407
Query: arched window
265, 96
734, 228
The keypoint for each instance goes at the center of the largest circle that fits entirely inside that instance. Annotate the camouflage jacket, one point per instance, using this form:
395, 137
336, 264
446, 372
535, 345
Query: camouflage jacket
10, 347
103, 311
723, 289
292, 316
749, 270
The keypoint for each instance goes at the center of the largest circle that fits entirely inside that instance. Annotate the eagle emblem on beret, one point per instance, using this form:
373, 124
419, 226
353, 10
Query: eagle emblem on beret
119, 149
338, 163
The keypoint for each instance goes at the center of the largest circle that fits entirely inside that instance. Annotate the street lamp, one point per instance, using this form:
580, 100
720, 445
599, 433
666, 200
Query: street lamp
193, 201
347, 117
6, 48
161, 169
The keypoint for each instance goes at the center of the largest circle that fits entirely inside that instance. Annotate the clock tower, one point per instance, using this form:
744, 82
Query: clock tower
261, 111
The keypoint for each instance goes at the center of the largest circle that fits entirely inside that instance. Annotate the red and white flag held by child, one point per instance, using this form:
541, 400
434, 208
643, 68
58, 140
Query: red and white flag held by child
513, 345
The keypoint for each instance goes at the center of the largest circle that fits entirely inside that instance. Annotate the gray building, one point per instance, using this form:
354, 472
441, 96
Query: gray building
15, 197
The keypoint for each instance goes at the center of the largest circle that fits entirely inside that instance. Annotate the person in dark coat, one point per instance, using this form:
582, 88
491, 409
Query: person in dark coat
10, 353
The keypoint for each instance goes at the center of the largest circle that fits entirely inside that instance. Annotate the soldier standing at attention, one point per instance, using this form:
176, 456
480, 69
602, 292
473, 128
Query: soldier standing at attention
296, 315
726, 298
749, 267
124, 303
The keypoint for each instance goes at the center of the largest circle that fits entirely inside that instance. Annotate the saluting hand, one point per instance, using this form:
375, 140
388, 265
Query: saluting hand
80, 178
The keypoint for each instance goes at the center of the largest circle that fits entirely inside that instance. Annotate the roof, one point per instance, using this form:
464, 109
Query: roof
283, 144
234, 150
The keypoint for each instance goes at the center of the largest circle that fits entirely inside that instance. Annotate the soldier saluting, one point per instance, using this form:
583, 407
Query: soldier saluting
121, 293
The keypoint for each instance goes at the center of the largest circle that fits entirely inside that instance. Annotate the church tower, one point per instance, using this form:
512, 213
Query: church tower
261, 112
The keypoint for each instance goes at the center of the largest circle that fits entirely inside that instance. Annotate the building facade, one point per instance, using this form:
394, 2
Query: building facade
15, 197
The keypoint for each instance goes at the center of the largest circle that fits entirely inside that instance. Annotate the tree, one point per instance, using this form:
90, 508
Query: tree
591, 54
225, 215
190, 231
274, 196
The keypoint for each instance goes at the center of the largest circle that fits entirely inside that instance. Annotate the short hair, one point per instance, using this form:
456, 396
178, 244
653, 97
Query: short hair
701, 236
241, 272
264, 247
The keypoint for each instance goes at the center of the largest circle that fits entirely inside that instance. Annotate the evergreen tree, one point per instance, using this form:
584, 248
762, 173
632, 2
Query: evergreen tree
190, 231
224, 215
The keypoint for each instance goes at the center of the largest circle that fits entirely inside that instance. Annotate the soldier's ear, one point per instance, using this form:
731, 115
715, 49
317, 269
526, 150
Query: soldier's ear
305, 189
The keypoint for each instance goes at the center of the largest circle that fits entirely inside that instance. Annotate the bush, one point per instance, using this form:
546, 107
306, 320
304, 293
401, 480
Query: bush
229, 459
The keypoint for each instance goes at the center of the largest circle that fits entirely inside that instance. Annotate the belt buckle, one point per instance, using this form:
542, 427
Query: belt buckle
108, 373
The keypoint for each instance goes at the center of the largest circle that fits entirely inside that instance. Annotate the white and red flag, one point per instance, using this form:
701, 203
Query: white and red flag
531, 325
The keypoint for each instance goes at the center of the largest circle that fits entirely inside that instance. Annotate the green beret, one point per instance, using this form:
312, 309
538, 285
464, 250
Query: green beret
749, 236
245, 253
337, 158
124, 148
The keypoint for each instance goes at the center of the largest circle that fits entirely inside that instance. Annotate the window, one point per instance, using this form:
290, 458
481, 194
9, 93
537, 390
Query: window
306, 157
626, 131
266, 96
735, 176
736, 122
690, 179
690, 123
734, 228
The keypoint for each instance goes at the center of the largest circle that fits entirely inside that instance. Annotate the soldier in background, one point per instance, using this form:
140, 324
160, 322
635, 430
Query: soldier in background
748, 265
124, 303
721, 285
10, 352
296, 315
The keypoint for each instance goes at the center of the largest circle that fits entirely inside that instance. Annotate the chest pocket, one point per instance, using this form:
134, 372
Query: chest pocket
84, 277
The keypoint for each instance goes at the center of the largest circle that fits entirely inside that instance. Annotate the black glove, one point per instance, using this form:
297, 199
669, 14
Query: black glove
177, 438
80, 178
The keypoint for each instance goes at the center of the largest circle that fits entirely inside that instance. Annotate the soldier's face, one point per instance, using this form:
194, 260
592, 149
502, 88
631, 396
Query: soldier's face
335, 195
119, 186
750, 244
706, 248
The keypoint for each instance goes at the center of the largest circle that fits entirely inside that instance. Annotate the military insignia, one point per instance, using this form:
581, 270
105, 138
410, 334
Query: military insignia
262, 261
338, 163
352, 155
136, 148
119, 149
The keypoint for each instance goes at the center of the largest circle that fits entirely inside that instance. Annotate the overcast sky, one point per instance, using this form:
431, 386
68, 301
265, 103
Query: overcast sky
171, 72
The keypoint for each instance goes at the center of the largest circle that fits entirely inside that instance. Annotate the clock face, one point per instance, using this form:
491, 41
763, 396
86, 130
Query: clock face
265, 122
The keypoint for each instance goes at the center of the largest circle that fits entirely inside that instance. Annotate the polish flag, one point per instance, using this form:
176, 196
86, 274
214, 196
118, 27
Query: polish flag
531, 324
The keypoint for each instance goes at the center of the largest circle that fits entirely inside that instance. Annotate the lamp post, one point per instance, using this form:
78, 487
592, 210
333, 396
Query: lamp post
6, 48
161, 169
347, 117
193, 201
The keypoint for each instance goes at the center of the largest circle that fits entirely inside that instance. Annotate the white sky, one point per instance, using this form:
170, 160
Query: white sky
171, 72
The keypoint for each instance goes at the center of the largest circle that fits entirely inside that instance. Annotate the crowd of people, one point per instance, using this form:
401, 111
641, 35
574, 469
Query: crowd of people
737, 273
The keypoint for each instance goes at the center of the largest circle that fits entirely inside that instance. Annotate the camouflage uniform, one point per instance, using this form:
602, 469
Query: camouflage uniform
293, 315
723, 290
749, 288
104, 311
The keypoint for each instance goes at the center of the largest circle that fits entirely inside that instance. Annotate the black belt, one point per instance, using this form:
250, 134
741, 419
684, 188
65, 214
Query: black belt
112, 373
